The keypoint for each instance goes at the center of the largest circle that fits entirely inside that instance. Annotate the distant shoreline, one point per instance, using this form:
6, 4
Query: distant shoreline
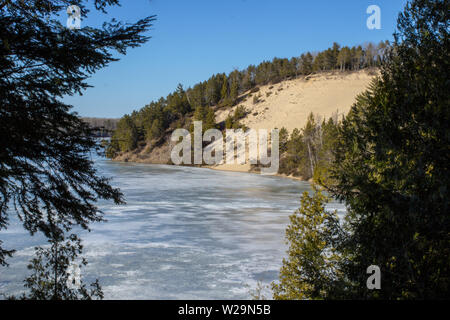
234, 169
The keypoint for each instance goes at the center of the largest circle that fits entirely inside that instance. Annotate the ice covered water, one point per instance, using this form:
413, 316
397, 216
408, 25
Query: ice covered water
185, 233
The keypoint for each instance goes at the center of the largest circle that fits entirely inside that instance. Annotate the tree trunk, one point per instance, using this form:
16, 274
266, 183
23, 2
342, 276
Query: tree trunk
311, 161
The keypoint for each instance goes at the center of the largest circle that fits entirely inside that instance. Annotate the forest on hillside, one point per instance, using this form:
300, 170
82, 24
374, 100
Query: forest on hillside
179, 108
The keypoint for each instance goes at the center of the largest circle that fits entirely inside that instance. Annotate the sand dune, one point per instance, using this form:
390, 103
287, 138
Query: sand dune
290, 102
286, 104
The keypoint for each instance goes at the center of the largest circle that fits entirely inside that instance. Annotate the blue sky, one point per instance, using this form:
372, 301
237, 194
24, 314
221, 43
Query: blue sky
191, 40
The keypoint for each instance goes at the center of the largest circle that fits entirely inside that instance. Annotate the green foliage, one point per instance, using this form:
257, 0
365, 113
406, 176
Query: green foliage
126, 134
112, 148
229, 122
207, 116
240, 112
51, 277
391, 164
306, 64
313, 263
45, 169
200, 113
152, 120
177, 103
213, 90
390, 167
234, 91
210, 120
308, 153
224, 90
232, 121
283, 139
155, 130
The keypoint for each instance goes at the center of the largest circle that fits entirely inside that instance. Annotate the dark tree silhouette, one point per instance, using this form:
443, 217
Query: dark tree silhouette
391, 165
46, 175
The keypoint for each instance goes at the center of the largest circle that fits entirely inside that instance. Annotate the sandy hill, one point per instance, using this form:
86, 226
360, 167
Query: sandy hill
286, 104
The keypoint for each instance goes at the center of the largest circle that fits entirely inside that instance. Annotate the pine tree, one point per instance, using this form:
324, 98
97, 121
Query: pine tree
306, 61
310, 135
312, 265
45, 160
234, 92
229, 122
357, 56
391, 166
210, 120
126, 134
182, 105
200, 113
283, 139
224, 90
212, 91
344, 59
56, 273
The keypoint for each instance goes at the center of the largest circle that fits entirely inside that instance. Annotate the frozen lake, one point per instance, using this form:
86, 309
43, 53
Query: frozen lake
185, 233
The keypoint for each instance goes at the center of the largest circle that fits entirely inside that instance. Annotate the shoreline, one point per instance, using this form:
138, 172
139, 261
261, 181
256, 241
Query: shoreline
281, 175
286, 104
224, 169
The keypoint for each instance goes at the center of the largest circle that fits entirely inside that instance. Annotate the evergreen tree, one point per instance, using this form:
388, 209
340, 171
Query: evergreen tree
330, 57
370, 55
344, 59
248, 78
312, 138
319, 62
197, 95
312, 265
224, 90
126, 134
229, 122
210, 120
234, 92
357, 56
200, 113
44, 167
391, 166
306, 61
156, 129
213, 91
283, 139
177, 102
206, 115
56, 273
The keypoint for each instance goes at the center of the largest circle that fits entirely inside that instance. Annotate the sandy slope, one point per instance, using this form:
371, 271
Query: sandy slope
290, 102
288, 105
